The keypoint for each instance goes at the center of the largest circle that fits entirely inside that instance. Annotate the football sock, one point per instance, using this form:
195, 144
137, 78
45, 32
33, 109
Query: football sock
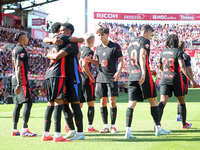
129, 116
183, 113
26, 114
78, 117
57, 117
16, 114
89, 126
47, 118
178, 109
105, 126
155, 114
161, 107
128, 130
113, 114
46, 133
57, 134
90, 115
104, 114
68, 116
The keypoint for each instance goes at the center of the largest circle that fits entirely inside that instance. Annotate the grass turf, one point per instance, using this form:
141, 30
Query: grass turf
142, 128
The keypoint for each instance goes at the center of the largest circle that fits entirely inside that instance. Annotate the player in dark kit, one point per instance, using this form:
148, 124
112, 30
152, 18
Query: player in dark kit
187, 60
20, 85
141, 85
73, 84
172, 63
55, 85
108, 56
88, 81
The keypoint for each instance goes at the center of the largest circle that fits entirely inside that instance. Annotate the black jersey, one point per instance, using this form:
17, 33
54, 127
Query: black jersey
134, 58
72, 66
187, 60
86, 52
57, 67
20, 53
108, 61
171, 70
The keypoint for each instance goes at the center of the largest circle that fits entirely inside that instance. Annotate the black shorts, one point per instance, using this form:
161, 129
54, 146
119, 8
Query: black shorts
141, 92
73, 91
88, 92
24, 96
55, 88
106, 89
178, 89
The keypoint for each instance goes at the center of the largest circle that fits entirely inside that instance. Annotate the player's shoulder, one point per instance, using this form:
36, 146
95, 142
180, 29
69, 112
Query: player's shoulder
113, 44
19, 48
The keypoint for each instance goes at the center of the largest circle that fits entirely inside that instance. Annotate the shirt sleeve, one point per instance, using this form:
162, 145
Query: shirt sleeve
68, 49
118, 51
180, 55
188, 61
145, 44
20, 55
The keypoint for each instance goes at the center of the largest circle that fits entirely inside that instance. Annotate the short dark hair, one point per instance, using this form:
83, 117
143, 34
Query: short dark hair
18, 35
103, 30
68, 26
172, 41
147, 28
55, 27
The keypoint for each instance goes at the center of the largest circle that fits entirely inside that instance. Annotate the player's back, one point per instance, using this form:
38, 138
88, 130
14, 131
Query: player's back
169, 58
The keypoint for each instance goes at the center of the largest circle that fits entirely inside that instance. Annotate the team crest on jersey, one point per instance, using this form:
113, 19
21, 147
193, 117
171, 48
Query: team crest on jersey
104, 54
22, 55
147, 45
104, 63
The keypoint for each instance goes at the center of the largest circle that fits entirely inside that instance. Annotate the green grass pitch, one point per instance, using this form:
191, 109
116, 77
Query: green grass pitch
142, 128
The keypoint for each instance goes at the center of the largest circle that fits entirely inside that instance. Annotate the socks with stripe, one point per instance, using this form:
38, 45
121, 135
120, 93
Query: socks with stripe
47, 118
68, 116
90, 115
104, 114
113, 115
129, 116
16, 114
26, 114
178, 109
161, 107
183, 113
78, 117
155, 114
57, 117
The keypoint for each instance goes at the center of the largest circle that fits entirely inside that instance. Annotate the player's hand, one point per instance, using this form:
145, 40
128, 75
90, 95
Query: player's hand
142, 79
17, 89
194, 85
57, 41
92, 79
116, 76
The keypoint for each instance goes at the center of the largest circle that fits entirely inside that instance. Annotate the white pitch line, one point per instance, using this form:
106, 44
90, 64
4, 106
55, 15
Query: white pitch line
21, 110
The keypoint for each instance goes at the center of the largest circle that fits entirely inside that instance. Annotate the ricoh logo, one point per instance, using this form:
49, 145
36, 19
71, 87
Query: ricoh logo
107, 16
187, 17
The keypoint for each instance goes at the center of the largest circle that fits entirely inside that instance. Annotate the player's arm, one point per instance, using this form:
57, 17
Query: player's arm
56, 56
186, 72
77, 39
89, 59
190, 71
143, 65
54, 40
87, 71
18, 76
119, 69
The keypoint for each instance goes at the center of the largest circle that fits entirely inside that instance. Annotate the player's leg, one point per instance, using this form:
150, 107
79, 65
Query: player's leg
16, 114
113, 113
178, 117
183, 111
90, 116
129, 117
47, 121
104, 114
156, 117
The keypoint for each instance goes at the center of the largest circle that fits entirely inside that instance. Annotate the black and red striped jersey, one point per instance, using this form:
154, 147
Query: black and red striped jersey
134, 58
108, 61
20, 53
171, 70
57, 67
